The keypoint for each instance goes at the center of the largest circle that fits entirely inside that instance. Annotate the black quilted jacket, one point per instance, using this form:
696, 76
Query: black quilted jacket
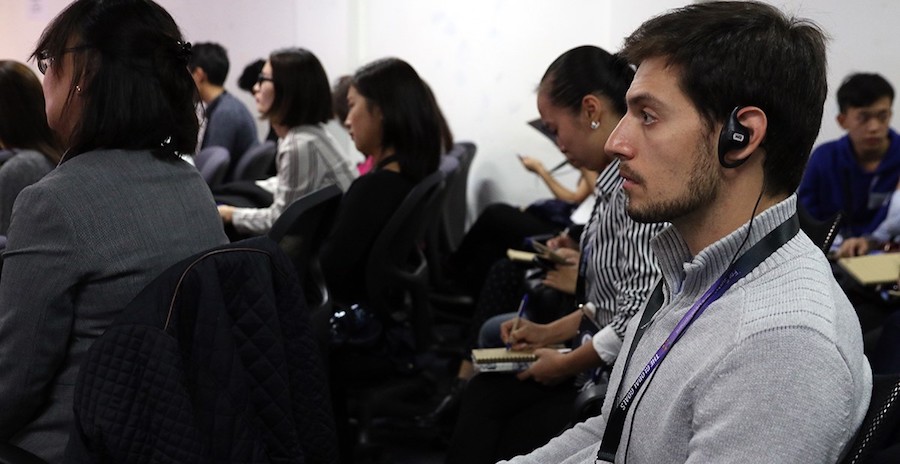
213, 362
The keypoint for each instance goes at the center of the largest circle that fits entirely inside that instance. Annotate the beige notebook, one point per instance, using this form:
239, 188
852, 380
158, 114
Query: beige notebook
502, 360
875, 269
519, 255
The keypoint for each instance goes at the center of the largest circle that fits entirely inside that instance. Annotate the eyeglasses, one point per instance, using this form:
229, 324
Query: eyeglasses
263, 78
44, 59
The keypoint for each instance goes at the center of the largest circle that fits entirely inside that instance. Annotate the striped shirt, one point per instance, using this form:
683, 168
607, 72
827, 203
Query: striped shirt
307, 160
621, 268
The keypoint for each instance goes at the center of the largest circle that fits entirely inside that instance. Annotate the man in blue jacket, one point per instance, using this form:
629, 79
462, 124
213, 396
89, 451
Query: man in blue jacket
858, 173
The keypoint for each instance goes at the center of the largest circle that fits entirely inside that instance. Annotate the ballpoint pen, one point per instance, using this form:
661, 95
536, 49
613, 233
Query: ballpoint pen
519, 313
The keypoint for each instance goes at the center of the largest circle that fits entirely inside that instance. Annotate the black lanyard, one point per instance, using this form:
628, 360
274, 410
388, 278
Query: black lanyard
741, 267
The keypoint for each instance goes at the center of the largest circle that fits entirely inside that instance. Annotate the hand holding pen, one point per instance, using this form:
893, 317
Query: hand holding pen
516, 321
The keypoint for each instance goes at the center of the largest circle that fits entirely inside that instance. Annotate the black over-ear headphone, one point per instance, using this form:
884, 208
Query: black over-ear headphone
734, 136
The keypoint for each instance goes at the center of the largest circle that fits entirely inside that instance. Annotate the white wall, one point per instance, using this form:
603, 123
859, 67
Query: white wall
483, 58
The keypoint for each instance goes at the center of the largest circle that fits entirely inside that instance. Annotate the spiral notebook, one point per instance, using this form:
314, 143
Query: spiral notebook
501, 360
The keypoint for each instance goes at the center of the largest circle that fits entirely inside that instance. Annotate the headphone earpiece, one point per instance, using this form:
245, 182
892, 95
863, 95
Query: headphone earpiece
734, 136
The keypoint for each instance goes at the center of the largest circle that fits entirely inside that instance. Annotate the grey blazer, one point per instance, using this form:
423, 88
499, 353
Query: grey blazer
82, 243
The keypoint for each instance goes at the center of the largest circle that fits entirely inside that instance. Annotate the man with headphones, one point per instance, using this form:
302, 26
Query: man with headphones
748, 351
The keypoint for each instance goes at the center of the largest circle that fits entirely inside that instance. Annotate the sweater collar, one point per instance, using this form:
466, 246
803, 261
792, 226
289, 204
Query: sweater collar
692, 275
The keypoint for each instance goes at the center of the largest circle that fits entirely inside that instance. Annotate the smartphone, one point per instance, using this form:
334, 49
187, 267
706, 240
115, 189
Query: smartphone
546, 253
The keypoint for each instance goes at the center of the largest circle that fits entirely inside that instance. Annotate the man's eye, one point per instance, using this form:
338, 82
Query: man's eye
646, 118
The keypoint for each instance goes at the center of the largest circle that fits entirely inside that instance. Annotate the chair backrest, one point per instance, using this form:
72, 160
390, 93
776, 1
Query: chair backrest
882, 423
436, 241
453, 215
257, 162
300, 231
822, 233
396, 263
212, 162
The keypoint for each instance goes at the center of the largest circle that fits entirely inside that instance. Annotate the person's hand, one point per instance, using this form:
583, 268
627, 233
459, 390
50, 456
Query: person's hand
549, 369
532, 164
226, 212
562, 241
853, 246
528, 335
564, 277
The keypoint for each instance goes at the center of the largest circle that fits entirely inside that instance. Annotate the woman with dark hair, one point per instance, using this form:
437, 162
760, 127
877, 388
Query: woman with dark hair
394, 120
119, 209
581, 99
292, 92
24, 135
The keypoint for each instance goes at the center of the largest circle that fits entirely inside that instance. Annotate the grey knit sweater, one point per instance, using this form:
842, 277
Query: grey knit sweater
773, 371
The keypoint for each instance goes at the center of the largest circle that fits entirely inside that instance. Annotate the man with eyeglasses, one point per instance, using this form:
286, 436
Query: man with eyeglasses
858, 173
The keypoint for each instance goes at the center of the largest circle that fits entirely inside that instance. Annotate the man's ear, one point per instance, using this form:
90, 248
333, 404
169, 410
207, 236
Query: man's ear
199, 75
842, 120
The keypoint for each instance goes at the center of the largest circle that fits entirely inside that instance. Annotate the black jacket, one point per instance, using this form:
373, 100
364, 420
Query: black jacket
213, 362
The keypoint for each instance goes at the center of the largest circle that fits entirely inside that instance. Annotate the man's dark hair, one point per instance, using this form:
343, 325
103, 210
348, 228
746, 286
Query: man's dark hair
587, 70
339, 98
213, 59
248, 77
734, 54
130, 63
302, 95
863, 89
410, 123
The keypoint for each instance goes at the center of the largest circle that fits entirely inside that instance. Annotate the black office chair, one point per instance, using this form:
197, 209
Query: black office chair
822, 233
453, 216
447, 233
881, 427
256, 162
212, 162
436, 241
397, 279
300, 231
397, 270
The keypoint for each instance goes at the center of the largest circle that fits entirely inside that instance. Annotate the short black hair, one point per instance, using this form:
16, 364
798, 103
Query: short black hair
339, 98
131, 67
248, 77
746, 53
863, 89
302, 95
23, 120
587, 70
213, 59
410, 121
